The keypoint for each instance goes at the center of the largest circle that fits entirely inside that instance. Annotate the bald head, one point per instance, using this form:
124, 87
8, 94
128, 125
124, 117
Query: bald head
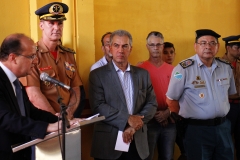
13, 44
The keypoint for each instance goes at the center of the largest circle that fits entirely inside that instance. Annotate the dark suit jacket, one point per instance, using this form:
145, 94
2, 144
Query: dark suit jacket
14, 128
107, 98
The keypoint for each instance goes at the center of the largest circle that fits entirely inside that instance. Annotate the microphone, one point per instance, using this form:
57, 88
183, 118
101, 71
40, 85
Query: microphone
45, 77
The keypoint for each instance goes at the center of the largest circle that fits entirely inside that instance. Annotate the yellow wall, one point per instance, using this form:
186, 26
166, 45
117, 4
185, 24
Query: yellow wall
14, 19
176, 19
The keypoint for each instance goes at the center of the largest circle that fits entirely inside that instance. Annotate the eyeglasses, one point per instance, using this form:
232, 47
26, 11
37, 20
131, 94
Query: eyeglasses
32, 57
204, 43
152, 45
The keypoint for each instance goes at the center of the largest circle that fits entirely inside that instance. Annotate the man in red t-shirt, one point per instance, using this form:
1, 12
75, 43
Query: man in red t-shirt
161, 129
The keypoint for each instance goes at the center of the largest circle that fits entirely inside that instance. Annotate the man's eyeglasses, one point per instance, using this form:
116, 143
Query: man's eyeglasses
152, 45
204, 44
32, 57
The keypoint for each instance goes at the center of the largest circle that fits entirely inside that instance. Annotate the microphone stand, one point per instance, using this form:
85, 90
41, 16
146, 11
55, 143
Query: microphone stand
65, 122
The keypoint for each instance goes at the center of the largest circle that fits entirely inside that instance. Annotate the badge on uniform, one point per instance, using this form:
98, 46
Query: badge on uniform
198, 83
69, 67
187, 63
45, 68
178, 75
222, 81
201, 95
46, 83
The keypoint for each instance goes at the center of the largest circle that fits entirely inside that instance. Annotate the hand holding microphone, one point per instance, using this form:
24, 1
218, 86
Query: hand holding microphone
45, 77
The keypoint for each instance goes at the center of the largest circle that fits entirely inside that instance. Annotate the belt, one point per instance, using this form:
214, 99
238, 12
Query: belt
234, 101
206, 122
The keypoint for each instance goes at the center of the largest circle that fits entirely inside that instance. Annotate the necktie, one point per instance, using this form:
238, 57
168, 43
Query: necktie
19, 96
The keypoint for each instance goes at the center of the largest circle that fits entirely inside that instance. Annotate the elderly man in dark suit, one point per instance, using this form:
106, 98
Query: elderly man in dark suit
124, 95
19, 119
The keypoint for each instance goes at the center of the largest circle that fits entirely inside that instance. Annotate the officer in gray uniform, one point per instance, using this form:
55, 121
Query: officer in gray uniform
232, 45
199, 90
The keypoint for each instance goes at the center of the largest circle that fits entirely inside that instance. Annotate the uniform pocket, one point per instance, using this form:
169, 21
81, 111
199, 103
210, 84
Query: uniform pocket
46, 84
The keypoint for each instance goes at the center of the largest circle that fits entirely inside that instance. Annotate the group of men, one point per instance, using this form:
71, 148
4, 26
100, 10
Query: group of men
195, 93
142, 104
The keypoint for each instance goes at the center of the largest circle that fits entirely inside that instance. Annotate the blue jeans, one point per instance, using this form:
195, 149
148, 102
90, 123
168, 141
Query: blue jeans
209, 142
164, 138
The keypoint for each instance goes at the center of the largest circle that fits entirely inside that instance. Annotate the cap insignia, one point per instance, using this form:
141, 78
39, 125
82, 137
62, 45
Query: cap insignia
56, 9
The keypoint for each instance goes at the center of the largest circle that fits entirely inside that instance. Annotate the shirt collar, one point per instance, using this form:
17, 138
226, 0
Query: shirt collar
117, 69
200, 63
104, 59
9, 73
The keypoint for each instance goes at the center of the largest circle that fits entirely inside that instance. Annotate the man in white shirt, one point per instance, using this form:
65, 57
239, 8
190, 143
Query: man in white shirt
105, 48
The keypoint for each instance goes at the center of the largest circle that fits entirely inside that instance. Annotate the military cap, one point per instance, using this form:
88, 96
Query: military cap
206, 32
232, 40
52, 11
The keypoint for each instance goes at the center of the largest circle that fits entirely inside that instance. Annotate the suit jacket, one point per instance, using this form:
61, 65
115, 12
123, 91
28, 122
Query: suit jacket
107, 98
17, 129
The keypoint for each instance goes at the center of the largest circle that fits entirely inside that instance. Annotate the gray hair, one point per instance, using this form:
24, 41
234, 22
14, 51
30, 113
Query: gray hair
121, 33
156, 34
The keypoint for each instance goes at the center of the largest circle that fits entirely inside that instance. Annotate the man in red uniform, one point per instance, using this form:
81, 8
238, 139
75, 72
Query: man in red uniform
232, 45
55, 60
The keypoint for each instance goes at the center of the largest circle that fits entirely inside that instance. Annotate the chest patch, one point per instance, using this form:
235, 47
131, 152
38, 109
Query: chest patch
69, 67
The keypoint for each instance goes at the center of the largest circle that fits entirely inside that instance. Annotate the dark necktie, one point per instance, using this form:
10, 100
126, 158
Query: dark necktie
19, 96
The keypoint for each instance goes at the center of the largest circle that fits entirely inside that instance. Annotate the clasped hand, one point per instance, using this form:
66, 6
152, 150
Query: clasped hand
135, 121
162, 116
128, 134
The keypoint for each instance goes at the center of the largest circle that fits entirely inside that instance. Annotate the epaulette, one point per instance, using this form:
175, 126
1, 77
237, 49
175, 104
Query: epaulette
224, 61
186, 63
67, 49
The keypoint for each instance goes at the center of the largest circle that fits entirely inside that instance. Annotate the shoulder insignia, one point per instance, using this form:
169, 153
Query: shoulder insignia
187, 63
224, 61
67, 49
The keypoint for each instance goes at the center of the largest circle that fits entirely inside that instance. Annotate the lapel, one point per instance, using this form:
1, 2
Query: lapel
135, 81
116, 84
8, 90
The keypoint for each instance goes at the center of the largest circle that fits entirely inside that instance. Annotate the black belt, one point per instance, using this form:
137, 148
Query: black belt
206, 122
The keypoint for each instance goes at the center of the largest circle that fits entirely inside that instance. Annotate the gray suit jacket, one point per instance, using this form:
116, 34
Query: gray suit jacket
107, 98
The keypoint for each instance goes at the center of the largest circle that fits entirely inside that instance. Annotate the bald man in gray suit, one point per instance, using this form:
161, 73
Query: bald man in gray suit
124, 95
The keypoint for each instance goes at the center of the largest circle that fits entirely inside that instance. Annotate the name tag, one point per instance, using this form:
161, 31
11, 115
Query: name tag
222, 81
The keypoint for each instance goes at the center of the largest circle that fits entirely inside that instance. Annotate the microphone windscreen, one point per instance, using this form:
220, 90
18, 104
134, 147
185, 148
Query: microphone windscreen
43, 76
